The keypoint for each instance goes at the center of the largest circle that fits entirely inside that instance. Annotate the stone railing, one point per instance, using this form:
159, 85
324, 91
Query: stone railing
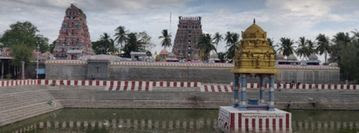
79, 62
280, 86
114, 85
7, 83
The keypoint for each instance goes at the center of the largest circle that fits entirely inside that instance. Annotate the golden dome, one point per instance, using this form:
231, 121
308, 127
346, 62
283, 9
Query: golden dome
254, 31
255, 55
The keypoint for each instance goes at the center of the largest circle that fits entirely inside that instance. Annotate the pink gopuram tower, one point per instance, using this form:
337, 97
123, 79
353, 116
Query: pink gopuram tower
188, 33
74, 38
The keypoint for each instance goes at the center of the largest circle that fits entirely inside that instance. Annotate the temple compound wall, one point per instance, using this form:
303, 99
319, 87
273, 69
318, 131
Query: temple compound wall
196, 72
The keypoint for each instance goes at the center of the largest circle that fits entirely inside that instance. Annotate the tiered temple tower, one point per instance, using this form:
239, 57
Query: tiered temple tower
74, 38
188, 33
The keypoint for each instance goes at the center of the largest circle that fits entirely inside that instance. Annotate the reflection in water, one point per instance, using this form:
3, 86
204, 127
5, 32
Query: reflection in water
169, 120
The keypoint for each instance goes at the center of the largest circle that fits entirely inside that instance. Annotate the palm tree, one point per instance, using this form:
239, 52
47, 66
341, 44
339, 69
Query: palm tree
136, 42
105, 45
120, 35
310, 48
232, 44
271, 43
340, 41
302, 47
228, 38
131, 44
355, 35
286, 46
205, 45
323, 46
166, 39
217, 38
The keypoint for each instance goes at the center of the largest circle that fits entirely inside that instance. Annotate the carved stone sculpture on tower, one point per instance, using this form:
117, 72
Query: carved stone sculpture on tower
74, 38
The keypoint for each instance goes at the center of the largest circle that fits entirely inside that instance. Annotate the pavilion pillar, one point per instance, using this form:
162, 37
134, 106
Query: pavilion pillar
261, 88
243, 92
271, 92
235, 89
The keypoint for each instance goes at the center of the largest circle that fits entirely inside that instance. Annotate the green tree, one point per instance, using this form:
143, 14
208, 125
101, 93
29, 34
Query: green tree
205, 45
349, 61
232, 41
23, 38
136, 42
286, 47
105, 45
323, 46
166, 39
310, 48
120, 35
217, 38
355, 35
302, 47
340, 41
221, 56
43, 43
52, 46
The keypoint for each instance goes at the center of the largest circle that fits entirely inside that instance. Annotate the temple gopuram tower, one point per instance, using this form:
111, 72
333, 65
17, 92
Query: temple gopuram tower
255, 59
74, 37
188, 33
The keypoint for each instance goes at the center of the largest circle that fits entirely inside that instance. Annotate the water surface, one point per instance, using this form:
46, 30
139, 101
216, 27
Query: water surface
170, 120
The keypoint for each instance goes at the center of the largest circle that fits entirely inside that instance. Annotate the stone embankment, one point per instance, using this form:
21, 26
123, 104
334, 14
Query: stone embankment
26, 98
18, 103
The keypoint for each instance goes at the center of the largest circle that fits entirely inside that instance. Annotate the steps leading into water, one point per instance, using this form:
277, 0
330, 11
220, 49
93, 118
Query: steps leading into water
17, 104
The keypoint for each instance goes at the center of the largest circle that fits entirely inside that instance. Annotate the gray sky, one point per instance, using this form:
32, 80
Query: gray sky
280, 18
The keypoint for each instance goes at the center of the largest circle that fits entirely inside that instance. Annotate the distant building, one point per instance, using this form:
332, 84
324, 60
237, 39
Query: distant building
306, 71
74, 38
188, 33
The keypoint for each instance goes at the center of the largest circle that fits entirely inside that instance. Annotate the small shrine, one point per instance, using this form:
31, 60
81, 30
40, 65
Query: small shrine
254, 59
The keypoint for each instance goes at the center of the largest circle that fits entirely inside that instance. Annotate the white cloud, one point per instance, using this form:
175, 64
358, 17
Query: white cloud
289, 18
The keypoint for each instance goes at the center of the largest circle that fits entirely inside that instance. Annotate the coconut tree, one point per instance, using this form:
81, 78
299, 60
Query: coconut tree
310, 48
217, 38
120, 35
205, 45
136, 42
105, 45
340, 40
166, 39
323, 46
232, 44
286, 46
302, 47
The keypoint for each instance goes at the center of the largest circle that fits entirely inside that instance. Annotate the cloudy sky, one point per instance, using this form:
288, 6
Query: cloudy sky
280, 18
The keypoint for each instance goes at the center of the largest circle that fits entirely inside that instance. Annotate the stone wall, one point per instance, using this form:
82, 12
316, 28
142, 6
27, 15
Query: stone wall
198, 72
66, 71
159, 98
211, 75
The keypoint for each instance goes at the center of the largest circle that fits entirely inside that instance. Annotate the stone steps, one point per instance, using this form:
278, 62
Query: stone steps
22, 99
17, 114
24, 102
